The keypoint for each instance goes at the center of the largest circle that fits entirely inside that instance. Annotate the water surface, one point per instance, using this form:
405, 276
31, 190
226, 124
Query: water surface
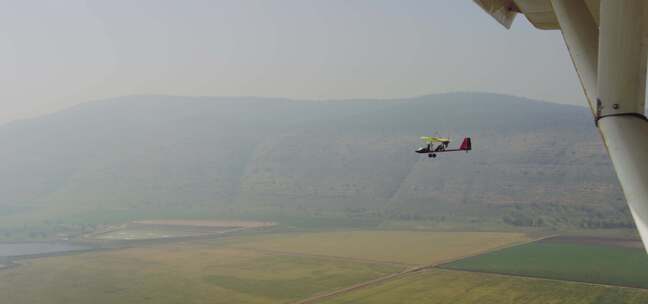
37, 248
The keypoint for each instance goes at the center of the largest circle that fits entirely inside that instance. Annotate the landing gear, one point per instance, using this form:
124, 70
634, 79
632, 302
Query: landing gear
432, 155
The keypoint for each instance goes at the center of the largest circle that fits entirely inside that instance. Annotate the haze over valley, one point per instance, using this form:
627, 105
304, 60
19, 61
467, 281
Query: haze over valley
294, 152
262, 200
139, 157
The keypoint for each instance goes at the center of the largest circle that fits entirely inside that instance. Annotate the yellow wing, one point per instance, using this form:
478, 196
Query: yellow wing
432, 139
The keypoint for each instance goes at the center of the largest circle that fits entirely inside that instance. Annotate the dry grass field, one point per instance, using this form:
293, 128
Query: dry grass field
207, 223
405, 247
179, 273
164, 229
438, 286
269, 268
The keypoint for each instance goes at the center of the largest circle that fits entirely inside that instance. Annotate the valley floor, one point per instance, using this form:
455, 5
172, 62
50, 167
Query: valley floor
314, 267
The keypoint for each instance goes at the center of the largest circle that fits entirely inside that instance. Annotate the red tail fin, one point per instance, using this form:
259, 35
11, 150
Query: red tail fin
466, 145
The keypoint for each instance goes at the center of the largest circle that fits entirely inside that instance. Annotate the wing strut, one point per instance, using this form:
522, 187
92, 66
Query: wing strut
611, 65
620, 107
608, 43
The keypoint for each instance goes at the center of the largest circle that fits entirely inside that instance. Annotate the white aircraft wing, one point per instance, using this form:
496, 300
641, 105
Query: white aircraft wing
608, 43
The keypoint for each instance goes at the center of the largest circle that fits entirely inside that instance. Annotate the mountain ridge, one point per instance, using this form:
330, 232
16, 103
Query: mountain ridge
135, 154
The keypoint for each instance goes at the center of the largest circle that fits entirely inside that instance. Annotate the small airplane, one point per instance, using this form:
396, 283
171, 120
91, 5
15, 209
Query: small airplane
431, 151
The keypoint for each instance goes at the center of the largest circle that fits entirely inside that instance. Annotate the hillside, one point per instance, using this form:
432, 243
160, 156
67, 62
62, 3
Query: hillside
534, 163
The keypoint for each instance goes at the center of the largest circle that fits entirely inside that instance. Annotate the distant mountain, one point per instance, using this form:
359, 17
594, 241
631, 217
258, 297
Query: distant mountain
534, 163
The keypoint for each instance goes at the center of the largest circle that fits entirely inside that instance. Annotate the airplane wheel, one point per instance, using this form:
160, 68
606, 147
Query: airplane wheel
433, 155
429, 155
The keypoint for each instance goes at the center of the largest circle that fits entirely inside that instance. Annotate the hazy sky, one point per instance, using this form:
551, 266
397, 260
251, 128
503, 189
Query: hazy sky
54, 54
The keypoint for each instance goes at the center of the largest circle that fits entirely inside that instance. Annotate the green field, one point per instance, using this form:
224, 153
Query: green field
459, 287
566, 261
180, 273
